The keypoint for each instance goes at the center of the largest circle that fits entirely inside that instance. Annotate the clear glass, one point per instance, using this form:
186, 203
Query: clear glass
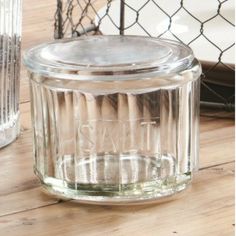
124, 128
10, 41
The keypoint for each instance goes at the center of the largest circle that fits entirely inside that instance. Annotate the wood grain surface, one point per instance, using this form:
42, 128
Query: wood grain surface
207, 208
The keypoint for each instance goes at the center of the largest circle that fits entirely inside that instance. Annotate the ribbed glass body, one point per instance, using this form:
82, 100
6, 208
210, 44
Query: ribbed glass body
10, 41
116, 140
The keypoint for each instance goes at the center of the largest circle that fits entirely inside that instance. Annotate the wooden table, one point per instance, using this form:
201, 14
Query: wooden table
206, 209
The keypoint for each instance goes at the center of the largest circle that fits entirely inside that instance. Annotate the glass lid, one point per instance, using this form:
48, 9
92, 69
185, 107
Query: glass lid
105, 56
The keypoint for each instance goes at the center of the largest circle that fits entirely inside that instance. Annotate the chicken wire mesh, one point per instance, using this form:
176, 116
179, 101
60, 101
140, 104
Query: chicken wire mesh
207, 28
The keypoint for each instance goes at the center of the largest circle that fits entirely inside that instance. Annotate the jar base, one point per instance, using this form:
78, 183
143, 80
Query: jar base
101, 194
9, 131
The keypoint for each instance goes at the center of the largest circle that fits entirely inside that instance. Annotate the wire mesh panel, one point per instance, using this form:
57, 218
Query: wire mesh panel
207, 28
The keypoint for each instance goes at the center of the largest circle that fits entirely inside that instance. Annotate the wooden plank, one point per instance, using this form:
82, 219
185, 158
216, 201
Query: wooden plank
25, 200
38, 20
211, 123
205, 209
24, 86
217, 146
25, 117
16, 173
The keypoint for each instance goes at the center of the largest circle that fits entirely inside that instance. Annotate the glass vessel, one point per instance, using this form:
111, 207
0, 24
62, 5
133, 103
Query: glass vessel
115, 118
10, 41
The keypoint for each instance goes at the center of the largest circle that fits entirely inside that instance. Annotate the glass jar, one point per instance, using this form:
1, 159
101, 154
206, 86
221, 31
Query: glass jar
115, 118
10, 41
